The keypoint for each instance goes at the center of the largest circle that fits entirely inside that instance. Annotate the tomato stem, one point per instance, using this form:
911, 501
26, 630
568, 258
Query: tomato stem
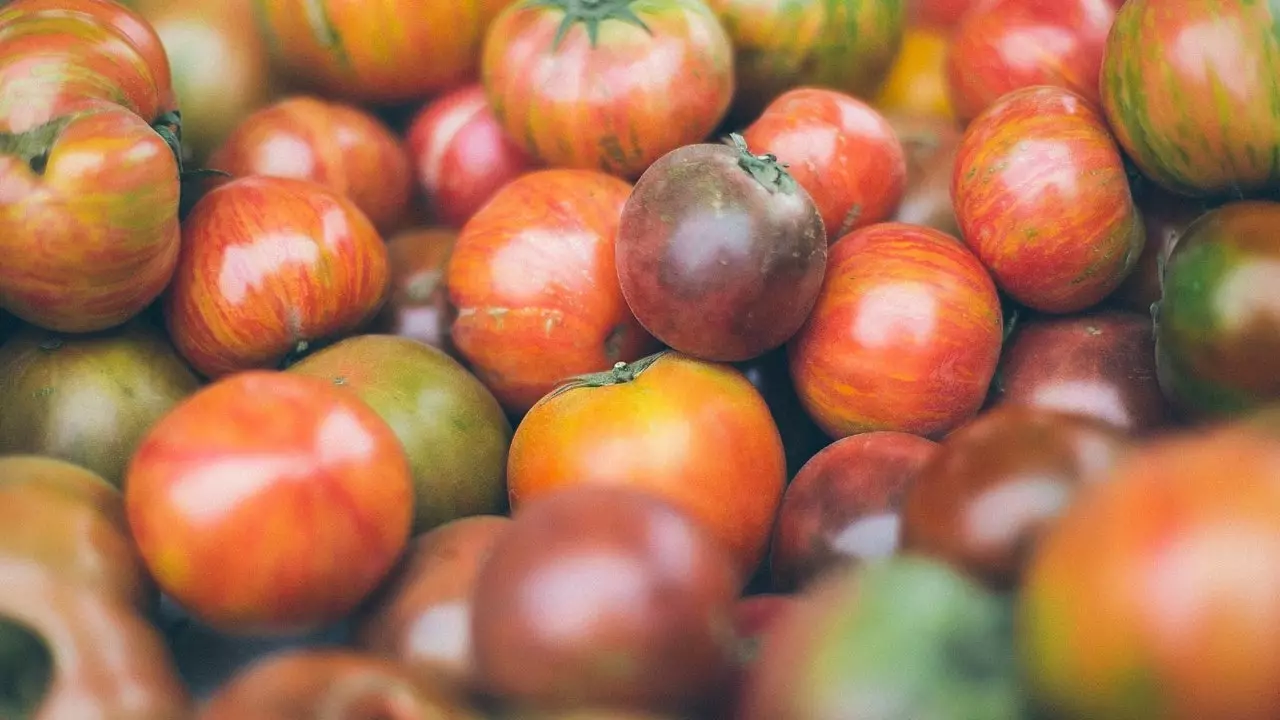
35, 145
591, 13
621, 374
765, 169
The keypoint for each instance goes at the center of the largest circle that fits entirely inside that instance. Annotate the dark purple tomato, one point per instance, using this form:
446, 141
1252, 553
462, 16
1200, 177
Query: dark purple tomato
721, 253
601, 596
801, 436
998, 483
1102, 364
1166, 216
844, 505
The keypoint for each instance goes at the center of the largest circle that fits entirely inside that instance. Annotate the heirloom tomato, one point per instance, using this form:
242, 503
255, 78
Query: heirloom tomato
608, 84
1043, 199
269, 266
940, 14
1165, 216
930, 144
88, 219
339, 146
1189, 88
692, 432
1218, 324
712, 238
839, 149
418, 301
905, 335
536, 289
917, 81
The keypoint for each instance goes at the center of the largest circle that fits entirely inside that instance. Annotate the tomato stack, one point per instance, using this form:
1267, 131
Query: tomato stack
640, 359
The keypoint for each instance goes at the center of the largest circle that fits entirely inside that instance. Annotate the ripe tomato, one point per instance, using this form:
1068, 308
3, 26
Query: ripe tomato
839, 149
905, 335
917, 81
535, 286
941, 14
1165, 216
1042, 197
610, 84
88, 219
339, 146
930, 144
418, 301
461, 155
268, 266
694, 433
268, 476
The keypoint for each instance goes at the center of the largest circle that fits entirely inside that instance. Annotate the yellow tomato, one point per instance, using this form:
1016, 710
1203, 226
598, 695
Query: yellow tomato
917, 84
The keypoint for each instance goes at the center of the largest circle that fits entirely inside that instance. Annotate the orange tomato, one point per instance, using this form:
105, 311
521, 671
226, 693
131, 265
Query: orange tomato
917, 82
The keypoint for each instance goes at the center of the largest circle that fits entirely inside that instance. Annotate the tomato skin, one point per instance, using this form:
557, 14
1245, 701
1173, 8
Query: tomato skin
243, 484
418, 300
616, 106
88, 245
1201, 123
727, 470
1042, 198
917, 80
536, 289
461, 154
267, 265
339, 146
839, 149
940, 14
1218, 326
905, 335
1166, 217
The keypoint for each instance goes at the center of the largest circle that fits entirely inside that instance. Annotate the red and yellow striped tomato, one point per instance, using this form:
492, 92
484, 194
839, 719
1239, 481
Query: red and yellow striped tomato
88, 219
905, 335
1189, 87
1042, 198
611, 85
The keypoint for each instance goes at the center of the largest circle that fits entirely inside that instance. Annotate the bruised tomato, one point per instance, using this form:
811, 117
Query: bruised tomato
697, 434
608, 84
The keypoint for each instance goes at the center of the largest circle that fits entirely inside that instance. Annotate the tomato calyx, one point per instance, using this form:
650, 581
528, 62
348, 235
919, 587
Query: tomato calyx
765, 169
34, 146
591, 13
621, 374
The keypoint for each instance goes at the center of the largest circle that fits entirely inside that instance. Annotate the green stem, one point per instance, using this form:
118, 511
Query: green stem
621, 373
765, 169
35, 145
591, 13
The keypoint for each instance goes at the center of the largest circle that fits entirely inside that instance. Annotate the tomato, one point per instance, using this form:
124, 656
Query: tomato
694, 433
1165, 217
1203, 122
940, 14
931, 144
263, 476
88, 219
339, 146
707, 282
1006, 45
1042, 198
268, 266
846, 45
461, 155
917, 81
418, 302
839, 149
535, 286
608, 85
905, 335
1218, 325
384, 52
1157, 596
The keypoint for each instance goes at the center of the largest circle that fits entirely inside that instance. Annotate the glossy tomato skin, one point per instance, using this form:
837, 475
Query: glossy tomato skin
1043, 200
1218, 325
1174, 615
418, 301
707, 248
89, 233
461, 155
243, 484
536, 289
339, 146
931, 145
728, 473
917, 80
269, 265
1166, 217
1006, 45
905, 335
841, 150
608, 105
1225, 139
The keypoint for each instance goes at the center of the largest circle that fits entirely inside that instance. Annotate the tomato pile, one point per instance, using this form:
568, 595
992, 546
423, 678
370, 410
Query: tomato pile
640, 360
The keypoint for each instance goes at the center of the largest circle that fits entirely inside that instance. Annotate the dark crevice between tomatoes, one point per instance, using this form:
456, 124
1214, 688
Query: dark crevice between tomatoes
26, 670
34, 146
591, 13
765, 169
620, 374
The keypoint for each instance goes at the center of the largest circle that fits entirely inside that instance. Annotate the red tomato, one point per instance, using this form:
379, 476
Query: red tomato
88, 219
905, 335
269, 502
609, 85
536, 289
938, 13
339, 146
839, 149
694, 433
1042, 197
461, 154
269, 265
418, 302
1005, 45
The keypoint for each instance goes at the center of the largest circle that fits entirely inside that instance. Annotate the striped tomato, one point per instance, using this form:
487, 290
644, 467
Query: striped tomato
1042, 197
1189, 87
